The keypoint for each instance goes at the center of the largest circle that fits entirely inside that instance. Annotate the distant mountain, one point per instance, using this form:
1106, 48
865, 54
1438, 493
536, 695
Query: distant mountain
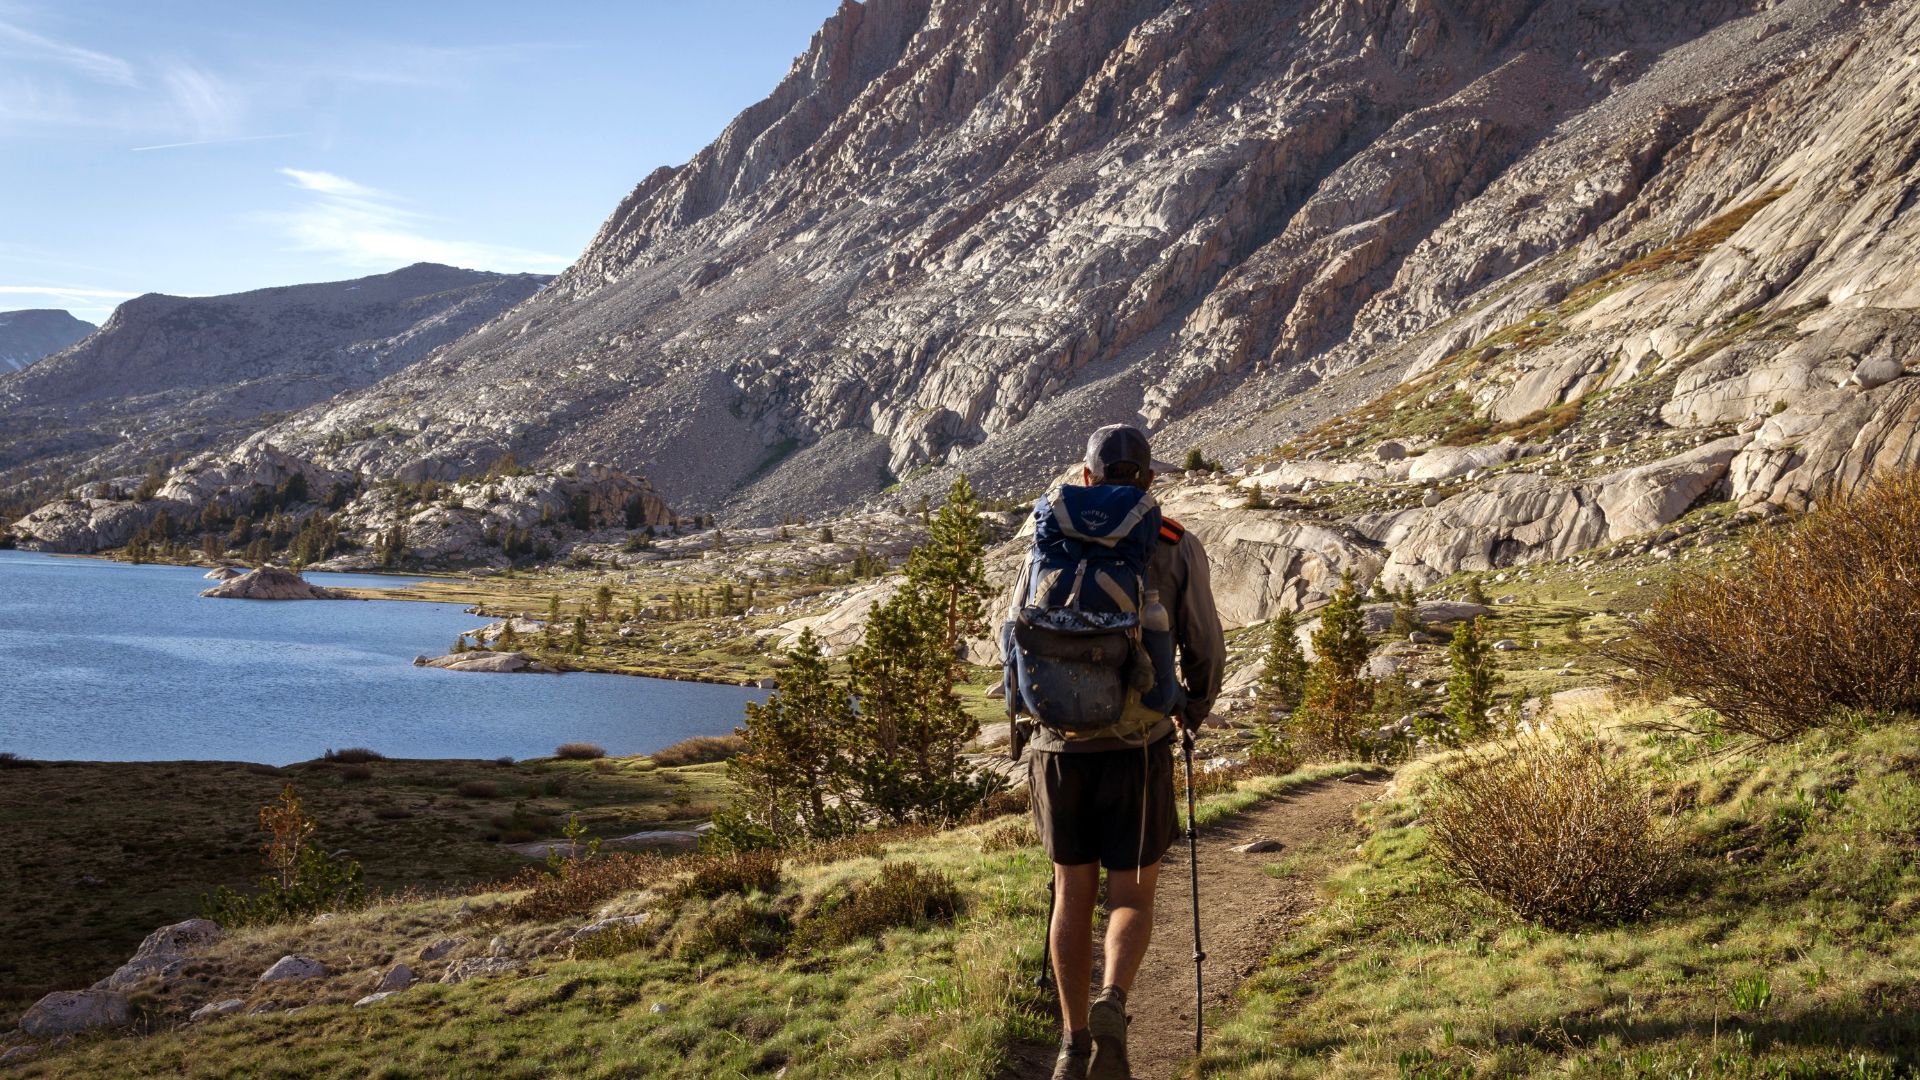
170, 375
26, 336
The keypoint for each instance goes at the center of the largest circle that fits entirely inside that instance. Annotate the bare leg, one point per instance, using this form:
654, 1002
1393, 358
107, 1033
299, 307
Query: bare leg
1129, 923
1071, 934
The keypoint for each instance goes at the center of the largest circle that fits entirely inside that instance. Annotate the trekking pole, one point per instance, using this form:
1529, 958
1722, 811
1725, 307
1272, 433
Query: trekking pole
1193, 869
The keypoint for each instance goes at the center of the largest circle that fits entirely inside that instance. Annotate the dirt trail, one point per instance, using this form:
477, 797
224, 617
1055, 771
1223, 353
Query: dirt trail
1243, 910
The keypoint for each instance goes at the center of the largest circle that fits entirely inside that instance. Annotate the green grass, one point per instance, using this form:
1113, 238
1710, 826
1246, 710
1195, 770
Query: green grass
951, 999
1789, 949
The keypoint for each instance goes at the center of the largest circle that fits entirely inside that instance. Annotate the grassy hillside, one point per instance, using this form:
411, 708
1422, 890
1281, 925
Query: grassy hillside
1788, 949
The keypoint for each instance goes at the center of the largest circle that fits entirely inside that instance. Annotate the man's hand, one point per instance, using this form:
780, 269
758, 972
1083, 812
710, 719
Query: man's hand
1190, 721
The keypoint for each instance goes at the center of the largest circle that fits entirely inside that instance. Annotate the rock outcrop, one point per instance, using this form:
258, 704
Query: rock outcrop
498, 663
270, 583
162, 953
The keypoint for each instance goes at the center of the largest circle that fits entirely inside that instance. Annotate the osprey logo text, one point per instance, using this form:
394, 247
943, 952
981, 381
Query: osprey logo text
1096, 519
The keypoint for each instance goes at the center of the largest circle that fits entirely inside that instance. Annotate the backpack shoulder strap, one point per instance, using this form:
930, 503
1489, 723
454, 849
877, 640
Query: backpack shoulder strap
1171, 531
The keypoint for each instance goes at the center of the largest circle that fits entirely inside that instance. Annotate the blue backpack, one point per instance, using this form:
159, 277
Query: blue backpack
1089, 647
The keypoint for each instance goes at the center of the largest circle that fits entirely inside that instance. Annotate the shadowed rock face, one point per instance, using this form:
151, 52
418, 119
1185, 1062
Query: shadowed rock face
174, 375
26, 336
964, 232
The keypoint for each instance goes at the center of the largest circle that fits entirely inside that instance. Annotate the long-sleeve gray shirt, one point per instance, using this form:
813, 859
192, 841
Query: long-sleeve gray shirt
1179, 573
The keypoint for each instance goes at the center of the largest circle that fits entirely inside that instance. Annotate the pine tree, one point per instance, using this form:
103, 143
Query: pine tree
578, 645
950, 570
1470, 682
509, 638
1257, 498
1476, 592
791, 777
1283, 672
1406, 612
1338, 696
910, 728
602, 600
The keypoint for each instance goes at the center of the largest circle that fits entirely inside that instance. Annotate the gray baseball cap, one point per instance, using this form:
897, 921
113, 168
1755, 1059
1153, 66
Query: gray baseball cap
1122, 445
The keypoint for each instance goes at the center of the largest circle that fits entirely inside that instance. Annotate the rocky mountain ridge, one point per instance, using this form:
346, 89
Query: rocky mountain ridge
958, 234
1473, 332
172, 376
33, 333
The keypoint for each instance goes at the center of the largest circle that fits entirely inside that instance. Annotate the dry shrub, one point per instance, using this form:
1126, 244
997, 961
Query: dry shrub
579, 751
1557, 829
477, 789
353, 755
11, 760
1821, 618
580, 886
356, 772
1010, 836
903, 895
738, 872
699, 750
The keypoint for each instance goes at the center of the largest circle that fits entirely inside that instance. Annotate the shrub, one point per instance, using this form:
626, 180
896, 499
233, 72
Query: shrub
580, 886
1820, 619
903, 895
1010, 836
11, 760
579, 751
739, 925
477, 789
699, 750
740, 872
353, 755
1557, 829
356, 772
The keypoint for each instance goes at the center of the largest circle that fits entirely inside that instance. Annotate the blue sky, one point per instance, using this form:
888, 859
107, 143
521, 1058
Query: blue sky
199, 148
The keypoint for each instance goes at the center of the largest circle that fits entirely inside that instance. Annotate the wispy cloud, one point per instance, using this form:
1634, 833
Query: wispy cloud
61, 290
362, 226
20, 43
215, 142
93, 305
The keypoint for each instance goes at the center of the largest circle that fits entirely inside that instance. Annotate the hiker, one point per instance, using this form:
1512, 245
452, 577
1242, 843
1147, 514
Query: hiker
1111, 589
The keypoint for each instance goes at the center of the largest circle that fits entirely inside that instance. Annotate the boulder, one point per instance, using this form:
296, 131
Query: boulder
162, 953
1506, 645
375, 998
1390, 451
1874, 373
398, 977
213, 1009
479, 967
65, 1012
1260, 846
440, 949
617, 922
499, 663
222, 573
290, 968
1642, 499
270, 583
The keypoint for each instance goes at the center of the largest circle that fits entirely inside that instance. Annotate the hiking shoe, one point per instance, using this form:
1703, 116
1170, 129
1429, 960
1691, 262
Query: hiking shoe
1072, 1062
1108, 1022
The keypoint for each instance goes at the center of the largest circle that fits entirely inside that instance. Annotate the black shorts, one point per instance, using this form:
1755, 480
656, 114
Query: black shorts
1087, 807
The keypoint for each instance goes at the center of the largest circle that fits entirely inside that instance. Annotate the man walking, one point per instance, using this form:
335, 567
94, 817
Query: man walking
1103, 795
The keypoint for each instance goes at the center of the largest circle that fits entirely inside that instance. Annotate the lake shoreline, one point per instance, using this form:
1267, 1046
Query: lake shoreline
112, 667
